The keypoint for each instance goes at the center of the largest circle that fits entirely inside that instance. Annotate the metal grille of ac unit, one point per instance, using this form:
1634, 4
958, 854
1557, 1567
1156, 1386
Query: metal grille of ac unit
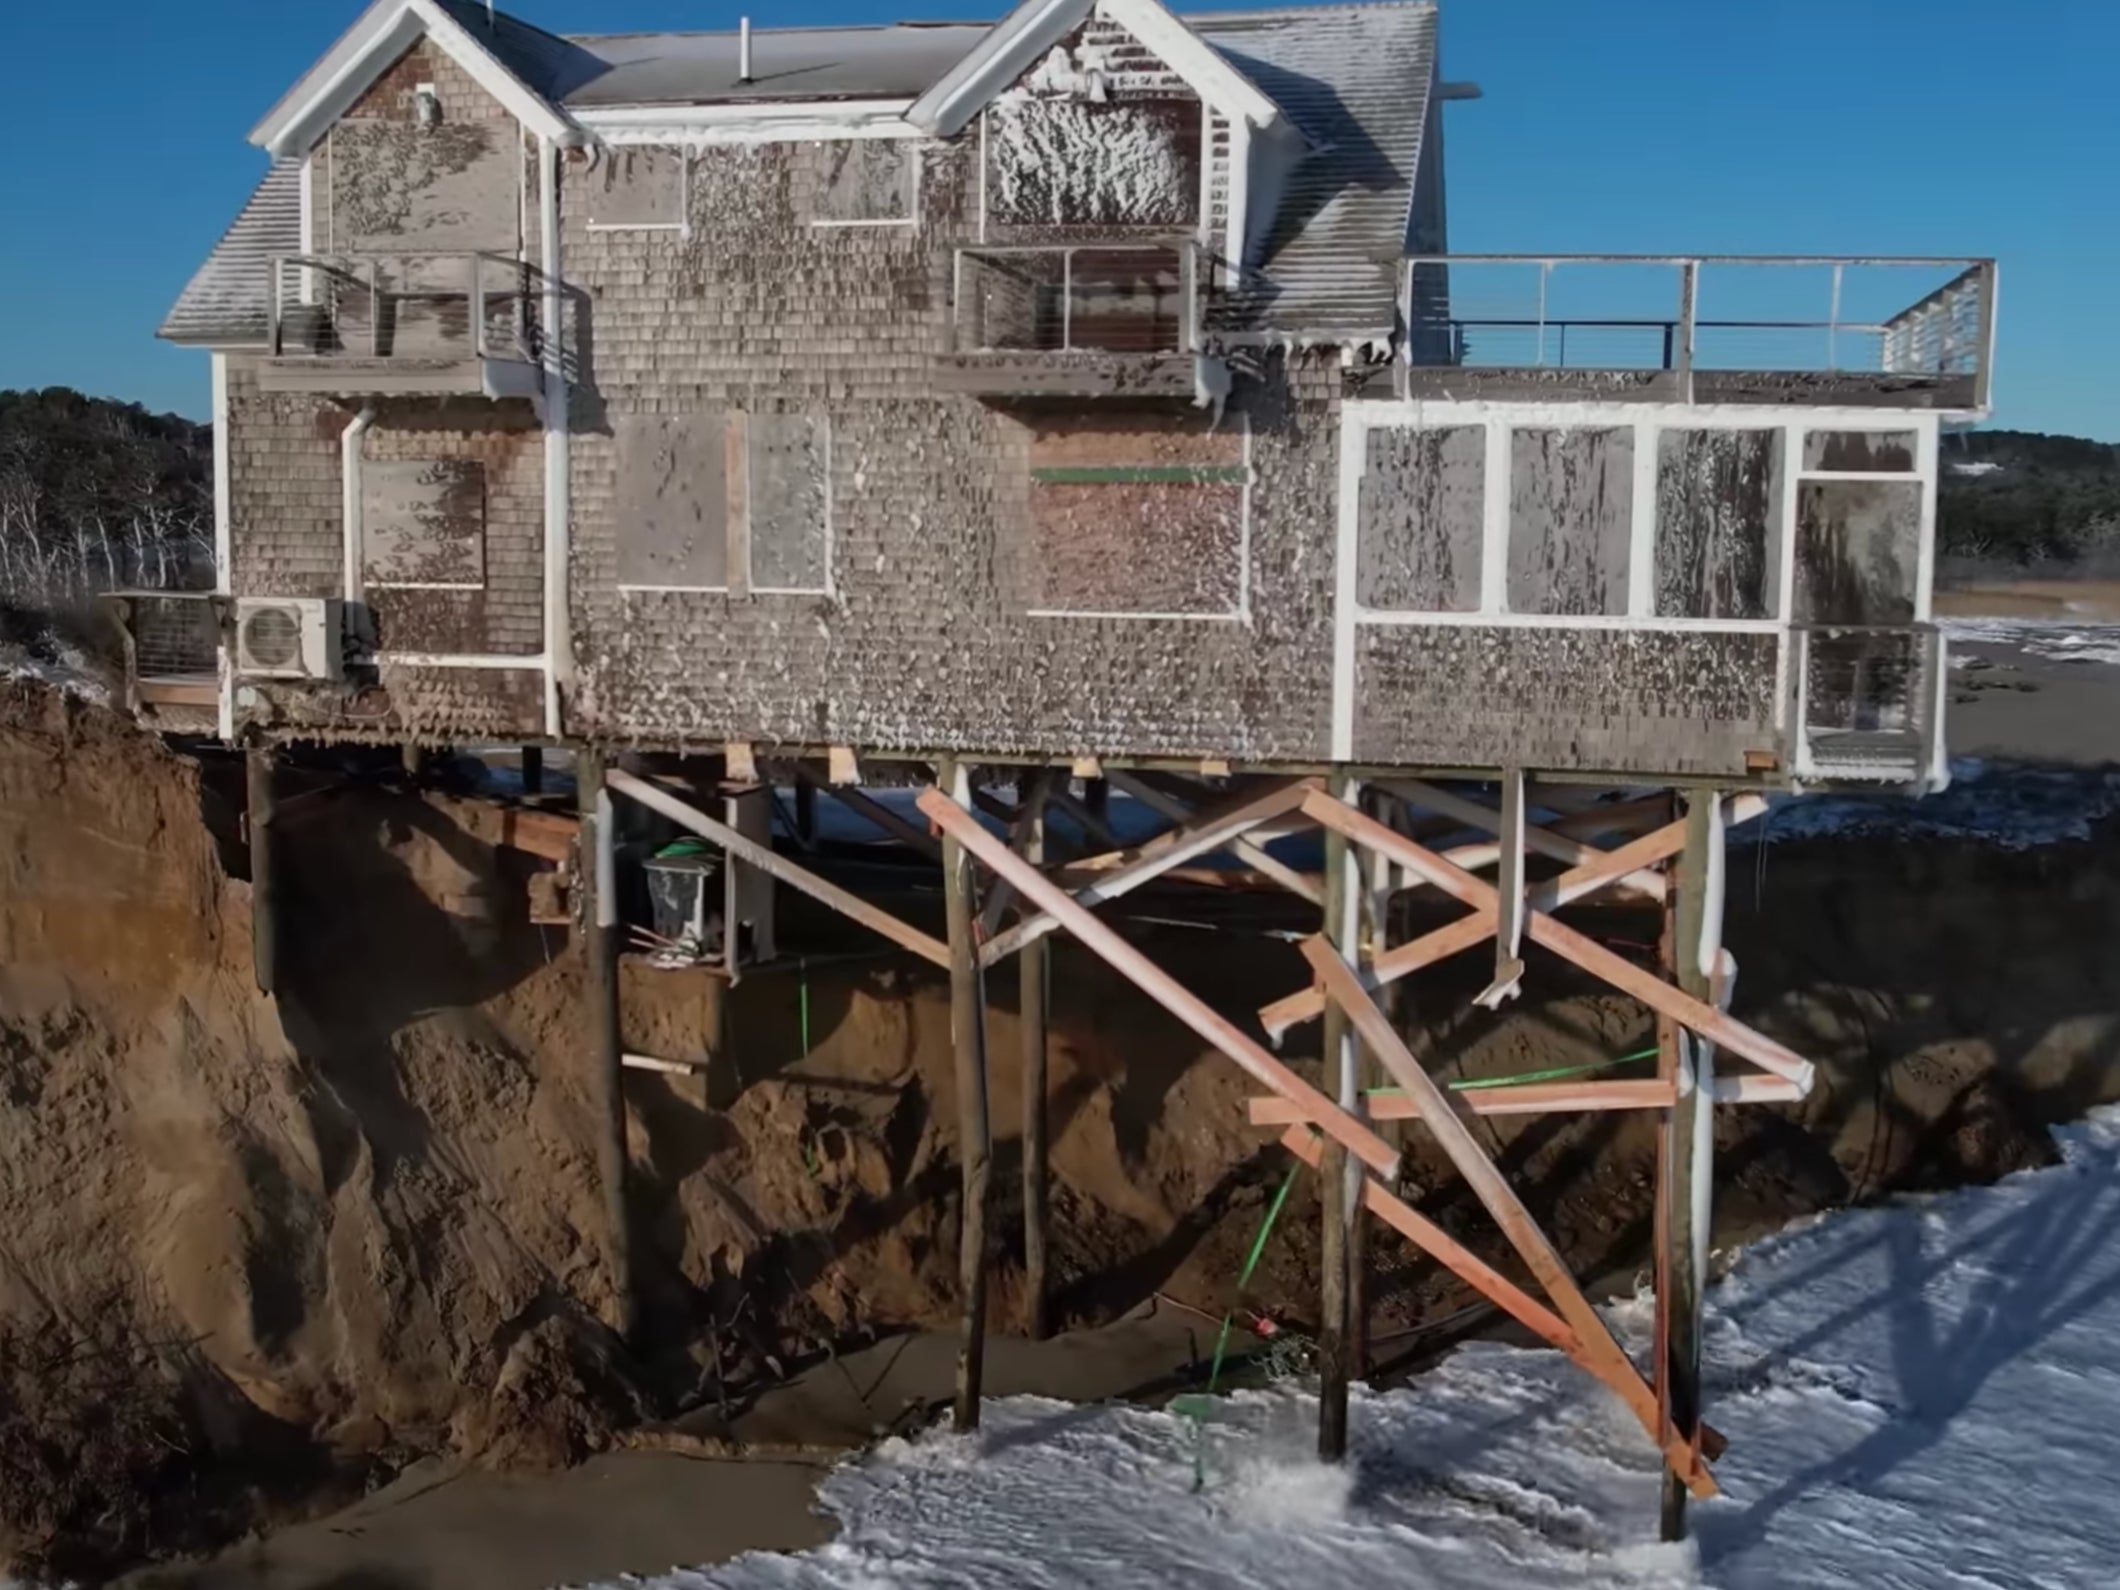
272, 638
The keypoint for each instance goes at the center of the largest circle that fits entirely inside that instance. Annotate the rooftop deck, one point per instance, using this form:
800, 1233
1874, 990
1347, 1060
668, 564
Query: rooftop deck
1913, 333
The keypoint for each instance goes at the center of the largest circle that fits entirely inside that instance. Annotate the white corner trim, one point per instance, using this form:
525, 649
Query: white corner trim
750, 123
223, 483
1354, 459
383, 32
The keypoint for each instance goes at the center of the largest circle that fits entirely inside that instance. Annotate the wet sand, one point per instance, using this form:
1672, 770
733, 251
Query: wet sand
453, 1527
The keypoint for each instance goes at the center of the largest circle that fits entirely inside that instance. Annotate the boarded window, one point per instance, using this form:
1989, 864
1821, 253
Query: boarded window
1130, 514
1859, 452
1065, 163
867, 180
788, 501
1571, 516
1421, 520
673, 500
1858, 547
638, 187
453, 187
1718, 503
423, 522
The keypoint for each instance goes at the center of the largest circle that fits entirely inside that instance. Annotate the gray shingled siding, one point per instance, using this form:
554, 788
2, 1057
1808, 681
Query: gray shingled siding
923, 643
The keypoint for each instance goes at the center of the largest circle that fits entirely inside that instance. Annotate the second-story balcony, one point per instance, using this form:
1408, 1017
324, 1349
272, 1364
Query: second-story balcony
1862, 332
1075, 320
372, 325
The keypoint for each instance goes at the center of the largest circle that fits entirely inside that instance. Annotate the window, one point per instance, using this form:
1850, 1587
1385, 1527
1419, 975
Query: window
638, 189
1422, 520
1858, 545
673, 498
1571, 519
734, 502
423, 524
1134, 517
787, 496
868, 182
1718, 517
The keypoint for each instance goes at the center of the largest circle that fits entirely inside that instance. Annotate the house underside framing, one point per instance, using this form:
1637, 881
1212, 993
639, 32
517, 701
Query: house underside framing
1007, 893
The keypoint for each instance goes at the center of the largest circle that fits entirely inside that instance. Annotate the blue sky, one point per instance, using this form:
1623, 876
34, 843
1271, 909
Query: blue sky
1640, 126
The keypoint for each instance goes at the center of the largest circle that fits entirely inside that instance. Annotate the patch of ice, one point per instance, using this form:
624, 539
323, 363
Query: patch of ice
1061, 161
2063, 639
1923, 1394
2008, 806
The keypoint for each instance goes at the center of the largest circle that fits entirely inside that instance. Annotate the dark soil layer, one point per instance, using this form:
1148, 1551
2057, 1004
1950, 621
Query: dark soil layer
257, 1255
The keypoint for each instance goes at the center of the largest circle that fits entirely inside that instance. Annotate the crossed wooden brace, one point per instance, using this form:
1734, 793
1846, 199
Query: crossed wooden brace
1576, 1329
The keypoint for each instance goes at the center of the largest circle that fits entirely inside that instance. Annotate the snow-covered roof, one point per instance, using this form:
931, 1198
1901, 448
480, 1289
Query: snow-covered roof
225, 301
1357, 79
897, 61
1354, 80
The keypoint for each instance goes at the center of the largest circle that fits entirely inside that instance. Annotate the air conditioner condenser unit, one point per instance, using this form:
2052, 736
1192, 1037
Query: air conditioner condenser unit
289, 637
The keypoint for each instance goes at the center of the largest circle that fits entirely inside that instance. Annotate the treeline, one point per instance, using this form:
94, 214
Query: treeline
97, 496
2023, 498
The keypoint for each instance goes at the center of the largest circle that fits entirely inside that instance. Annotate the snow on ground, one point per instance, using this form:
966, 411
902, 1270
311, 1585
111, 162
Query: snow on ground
1925, 1394
2062, 639
65, 669
2010, 806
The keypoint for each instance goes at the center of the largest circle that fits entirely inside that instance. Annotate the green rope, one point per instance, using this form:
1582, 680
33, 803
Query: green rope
1214, 1374
803, 983
1554, 1074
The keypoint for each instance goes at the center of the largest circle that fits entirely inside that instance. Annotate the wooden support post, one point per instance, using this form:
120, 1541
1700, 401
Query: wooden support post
1446, 1118
1690, 1152
974, 1130
531, 767
1159, 985
806, 814
607, 1055
1339, 1191
770, 861
1032, 968
1509, 884
258, 764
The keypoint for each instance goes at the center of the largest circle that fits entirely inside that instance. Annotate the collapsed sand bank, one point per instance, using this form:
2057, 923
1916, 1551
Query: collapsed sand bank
258, 1256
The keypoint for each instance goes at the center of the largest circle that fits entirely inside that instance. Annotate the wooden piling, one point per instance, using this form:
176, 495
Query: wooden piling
1688, 1156
1033, 967
258, 764
974, 1129
600, 937
1335, 1250
532, 767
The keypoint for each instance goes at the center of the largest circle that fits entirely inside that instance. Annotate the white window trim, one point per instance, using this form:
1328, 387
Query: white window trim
918, 156
423, 585
1647, 421
823, 420
681, 226
1240, 614
728, 587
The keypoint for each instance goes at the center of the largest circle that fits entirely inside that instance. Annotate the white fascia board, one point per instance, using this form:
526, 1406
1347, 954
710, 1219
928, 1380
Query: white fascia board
1019, 39
384, 33
1011, 47
1187, 54
750, 123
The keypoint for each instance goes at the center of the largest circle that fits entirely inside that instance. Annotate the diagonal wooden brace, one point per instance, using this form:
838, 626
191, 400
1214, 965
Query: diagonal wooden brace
1208, 832
1040, 891
1694, 1014
1601, 1352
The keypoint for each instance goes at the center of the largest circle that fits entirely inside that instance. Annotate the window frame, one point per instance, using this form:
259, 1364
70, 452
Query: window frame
682, 226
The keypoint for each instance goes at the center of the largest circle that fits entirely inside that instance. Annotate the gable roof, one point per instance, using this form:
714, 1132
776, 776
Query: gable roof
1016, 43
1360, 81
224, 304
520, 66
